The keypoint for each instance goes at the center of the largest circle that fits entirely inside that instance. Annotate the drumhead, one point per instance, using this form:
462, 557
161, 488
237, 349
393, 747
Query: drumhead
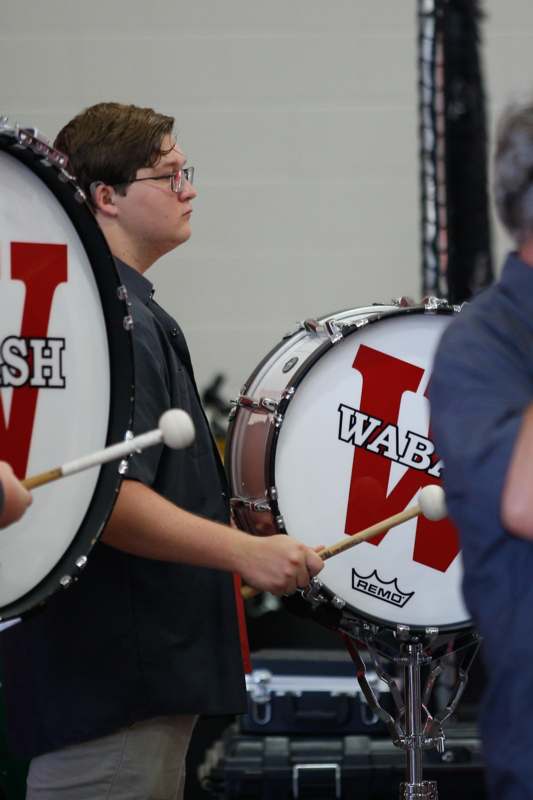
66, 371
354, 447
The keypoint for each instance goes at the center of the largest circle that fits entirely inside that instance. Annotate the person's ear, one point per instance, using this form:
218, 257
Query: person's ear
103, 198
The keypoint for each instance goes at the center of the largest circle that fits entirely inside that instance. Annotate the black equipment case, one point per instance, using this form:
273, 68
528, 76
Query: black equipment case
309, 733
309, 691
337, 767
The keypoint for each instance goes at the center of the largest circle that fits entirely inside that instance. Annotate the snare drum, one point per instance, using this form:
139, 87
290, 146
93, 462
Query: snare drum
66, 367
331, 434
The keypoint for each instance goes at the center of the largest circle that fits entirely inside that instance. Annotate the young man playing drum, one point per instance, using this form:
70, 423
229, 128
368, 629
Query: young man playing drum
104, 686
482, 412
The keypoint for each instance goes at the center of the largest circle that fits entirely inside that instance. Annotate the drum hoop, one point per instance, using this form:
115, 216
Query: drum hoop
274, 432
120, 352
378, 622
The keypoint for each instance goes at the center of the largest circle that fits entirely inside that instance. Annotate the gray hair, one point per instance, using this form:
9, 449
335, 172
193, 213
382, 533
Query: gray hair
513, 171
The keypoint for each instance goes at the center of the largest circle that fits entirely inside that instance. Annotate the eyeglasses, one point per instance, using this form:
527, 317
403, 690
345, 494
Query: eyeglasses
177, 179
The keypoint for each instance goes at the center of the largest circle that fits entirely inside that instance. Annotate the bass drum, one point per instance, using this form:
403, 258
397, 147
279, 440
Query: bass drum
66, 367
330, 435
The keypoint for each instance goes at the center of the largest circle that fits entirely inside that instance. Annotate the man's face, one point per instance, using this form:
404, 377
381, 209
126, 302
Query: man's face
154, 218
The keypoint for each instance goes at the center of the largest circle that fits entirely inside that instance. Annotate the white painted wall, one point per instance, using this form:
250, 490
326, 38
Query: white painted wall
301, 118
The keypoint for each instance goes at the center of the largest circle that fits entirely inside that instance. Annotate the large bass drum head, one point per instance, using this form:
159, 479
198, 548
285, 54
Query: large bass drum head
66, 371
354, 447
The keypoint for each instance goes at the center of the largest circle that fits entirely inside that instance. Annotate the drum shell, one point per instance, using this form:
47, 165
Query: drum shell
273, 379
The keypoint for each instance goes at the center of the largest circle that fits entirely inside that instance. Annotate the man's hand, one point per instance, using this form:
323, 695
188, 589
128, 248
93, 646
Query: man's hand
16, 497
278, 564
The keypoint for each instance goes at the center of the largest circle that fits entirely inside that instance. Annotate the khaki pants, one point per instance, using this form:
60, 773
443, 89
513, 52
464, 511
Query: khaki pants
145, 761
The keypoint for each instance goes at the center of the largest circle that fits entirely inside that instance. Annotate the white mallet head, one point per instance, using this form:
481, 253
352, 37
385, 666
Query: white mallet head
177, 428
432, 502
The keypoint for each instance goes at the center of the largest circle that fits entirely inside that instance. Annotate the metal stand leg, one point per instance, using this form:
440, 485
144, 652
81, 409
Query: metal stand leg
414, 788
408, 729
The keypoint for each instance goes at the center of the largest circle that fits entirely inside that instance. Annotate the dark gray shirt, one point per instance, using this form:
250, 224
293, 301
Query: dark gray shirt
135, 638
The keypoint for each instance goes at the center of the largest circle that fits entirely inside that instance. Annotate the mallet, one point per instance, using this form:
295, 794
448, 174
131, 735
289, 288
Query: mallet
175, 429
431, 504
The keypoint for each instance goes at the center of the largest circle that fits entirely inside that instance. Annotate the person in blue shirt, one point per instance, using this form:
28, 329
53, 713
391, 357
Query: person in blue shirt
14, 498
481, 396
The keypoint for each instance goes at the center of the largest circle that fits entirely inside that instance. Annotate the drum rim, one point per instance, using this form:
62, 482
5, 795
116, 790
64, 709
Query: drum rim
273, 437
120, 352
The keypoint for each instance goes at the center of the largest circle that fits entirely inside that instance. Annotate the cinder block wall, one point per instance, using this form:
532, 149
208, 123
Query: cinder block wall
301, 118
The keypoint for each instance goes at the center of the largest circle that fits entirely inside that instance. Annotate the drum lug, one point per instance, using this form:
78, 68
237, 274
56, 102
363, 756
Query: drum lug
36, 142
263, 405
280, 523
122, 294
435, 303
431, 634
338, 603
251, 503
312, 326
334, 330
123, 466
80, 196
81, 562
312, 594
269, 404
125, 462
402, 302
331, 327
65, 581
278, 519
403, 633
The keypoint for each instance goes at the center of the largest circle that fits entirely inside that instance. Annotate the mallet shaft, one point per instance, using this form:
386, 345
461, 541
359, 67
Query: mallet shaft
111, 453
352, 541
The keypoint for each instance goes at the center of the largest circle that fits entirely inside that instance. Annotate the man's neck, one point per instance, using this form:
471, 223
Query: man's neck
127, 251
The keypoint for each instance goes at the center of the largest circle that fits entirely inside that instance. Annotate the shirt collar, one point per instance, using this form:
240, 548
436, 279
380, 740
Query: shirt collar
135, 281
518, 277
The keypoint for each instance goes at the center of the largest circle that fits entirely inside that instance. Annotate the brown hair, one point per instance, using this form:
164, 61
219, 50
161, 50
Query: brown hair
109, 142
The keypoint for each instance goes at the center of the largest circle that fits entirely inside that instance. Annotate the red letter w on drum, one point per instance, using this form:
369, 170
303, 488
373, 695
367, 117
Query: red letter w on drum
368, 500
41, 267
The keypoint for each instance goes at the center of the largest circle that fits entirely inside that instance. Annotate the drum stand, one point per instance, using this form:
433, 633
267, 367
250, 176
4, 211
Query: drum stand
408, 728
